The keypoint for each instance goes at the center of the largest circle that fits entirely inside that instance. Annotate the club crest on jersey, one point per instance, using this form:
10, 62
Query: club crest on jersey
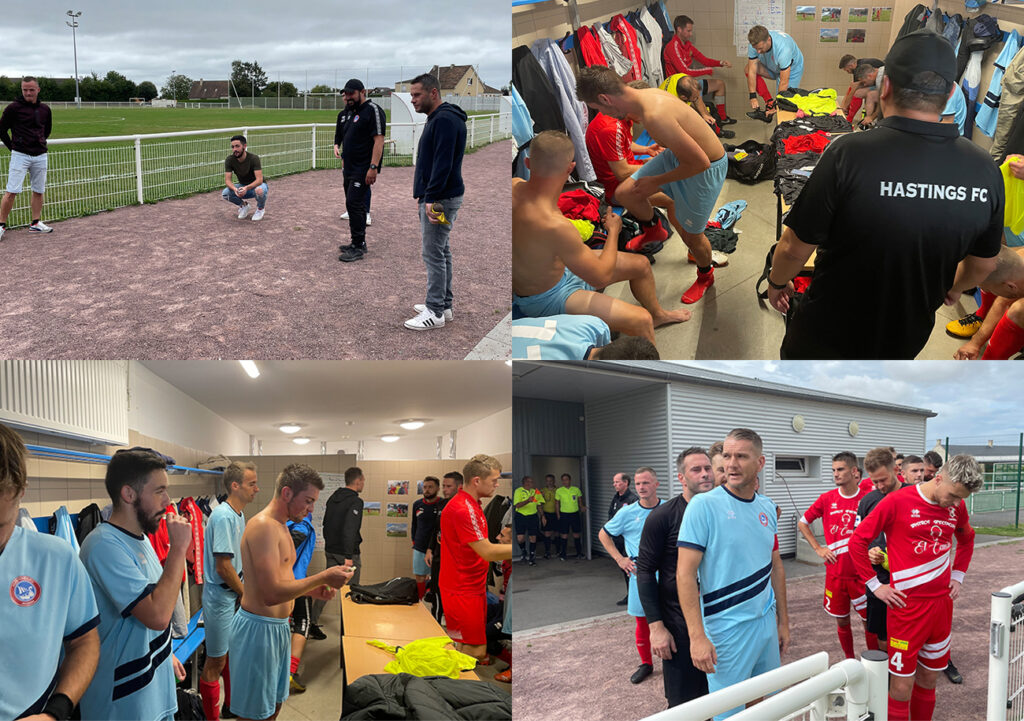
914, 513
952, 512
355, 511
763, 518
730, 514
24, 591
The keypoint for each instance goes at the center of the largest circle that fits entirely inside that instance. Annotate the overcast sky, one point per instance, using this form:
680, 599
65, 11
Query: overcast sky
975, 401
394, 39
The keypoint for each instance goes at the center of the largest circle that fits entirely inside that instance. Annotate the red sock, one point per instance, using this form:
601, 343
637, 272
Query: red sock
899, 710
1007, 339
643, 640
762, 89
209, 692
987, 299
846, 639
855, 104
226, 675
653, 234
922, 703
696, 291
870, 640
295, 665
721, 111
421, 588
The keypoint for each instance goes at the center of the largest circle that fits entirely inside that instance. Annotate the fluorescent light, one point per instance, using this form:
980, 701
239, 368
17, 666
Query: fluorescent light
250, 368
411, 425
301, 440
389, 439
289, 428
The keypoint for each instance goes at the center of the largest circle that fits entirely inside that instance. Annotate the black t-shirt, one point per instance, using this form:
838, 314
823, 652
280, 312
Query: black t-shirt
893, 212
659, 554
424, 523
355, 131
244, 169
866, 505
620, 501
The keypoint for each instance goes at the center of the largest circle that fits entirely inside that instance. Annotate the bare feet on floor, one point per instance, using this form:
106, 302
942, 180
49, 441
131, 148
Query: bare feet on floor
668, 317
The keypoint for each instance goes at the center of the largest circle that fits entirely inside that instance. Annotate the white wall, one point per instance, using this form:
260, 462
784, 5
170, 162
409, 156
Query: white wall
158, 409
491, 435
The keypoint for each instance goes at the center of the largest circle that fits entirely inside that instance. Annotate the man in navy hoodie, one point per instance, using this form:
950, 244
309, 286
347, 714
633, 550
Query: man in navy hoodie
437, 185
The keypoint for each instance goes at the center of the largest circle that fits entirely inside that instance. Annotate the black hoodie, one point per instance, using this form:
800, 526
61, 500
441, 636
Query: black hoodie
343, 518
439, 161
25, 126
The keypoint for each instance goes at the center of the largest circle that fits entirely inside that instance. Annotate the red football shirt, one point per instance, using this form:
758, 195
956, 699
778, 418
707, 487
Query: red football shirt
609, 139
839, 515
462, 523
919, 537
679, 56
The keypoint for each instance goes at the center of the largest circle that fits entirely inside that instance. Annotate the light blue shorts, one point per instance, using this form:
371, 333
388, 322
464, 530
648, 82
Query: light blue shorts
419, 563
746, 650
33, 165
635, 608
695, 197
552, 301
218, 612
260, 652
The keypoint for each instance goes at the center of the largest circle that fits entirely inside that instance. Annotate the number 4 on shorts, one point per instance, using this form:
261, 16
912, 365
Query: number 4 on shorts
897, 660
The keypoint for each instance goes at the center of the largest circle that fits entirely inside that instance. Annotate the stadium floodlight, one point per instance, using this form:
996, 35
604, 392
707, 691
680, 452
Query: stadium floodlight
74, 41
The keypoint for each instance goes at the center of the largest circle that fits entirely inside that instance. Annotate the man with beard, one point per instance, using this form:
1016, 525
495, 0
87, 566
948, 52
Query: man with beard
424, 510
135, 595
359, 143
437, 186
260, 642
932, 464
656, 581
450, 485
466, 553
250, 184
222, 585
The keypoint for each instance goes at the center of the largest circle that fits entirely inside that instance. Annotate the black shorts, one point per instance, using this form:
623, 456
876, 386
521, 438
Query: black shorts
571, 522
876, 617
683, 681
526, 525
301, 613
703, 86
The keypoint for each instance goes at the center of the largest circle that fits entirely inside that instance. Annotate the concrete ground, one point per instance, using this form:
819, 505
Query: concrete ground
729, 322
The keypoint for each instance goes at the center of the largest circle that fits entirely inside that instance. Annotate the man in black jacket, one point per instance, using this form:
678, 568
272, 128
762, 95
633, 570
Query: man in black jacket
343, 517
450, 485
359, 142
437, 185
624, 495
24, 127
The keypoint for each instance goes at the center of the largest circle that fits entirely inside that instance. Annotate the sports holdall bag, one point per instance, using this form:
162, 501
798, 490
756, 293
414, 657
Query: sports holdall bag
401, 590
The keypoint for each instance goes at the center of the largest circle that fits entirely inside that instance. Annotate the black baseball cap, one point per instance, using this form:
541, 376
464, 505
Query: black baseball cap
918, 52
353, 85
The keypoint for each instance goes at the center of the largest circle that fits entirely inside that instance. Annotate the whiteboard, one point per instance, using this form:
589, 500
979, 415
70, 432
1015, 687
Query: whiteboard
770, 13
332, 482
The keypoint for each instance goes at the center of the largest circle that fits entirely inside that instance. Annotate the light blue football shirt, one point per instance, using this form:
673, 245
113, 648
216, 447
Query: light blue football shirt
737, 538
783, 54
223, 537
135, 677
957, 107
628, 522
47, 599
558, 337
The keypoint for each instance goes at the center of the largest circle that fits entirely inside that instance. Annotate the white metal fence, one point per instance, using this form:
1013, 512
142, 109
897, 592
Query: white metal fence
89, 175
1002, 499
1006, 655
850, 690
472, 103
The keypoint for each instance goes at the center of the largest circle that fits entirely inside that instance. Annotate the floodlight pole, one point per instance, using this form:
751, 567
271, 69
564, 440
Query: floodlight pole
74, 42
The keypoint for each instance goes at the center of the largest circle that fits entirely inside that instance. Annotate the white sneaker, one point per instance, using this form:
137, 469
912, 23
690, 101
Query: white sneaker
40, 227
719, 259
448, 315
243, 212
369, 220
258, 215
425, 321
2, 229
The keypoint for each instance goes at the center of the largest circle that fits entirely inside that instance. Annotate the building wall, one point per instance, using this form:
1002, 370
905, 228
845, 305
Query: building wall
545, 428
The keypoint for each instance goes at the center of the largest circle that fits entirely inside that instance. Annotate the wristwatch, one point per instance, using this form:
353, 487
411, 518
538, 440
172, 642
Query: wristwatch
374, 166
776, 286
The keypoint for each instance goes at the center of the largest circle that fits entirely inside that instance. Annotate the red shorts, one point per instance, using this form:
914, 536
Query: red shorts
920, 633
840, 592
465, 617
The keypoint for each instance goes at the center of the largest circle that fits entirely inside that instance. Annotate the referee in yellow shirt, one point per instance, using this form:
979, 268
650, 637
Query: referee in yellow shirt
526, 500
569, 504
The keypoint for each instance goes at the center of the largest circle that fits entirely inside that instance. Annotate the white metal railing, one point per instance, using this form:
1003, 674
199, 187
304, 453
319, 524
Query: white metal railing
1006, 655
90, 175
999, 499
857, 687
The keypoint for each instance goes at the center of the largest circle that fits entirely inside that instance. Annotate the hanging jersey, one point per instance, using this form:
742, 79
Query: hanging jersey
1013, 212
46, 600
737, 538
919, 538
784, 54
629, 523
568, 499
558, 337
839, 516
989, 112
135, 678
223, 538
956, 106
462, 522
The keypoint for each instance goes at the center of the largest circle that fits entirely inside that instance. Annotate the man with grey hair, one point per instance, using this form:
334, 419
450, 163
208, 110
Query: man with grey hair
920, 523
222, 584
624, 495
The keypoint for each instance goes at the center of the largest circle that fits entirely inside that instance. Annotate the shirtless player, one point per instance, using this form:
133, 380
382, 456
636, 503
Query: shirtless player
553, 272
260, 642
690, 170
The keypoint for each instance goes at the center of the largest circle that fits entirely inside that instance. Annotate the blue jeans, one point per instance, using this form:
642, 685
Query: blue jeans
261, 200
437, 255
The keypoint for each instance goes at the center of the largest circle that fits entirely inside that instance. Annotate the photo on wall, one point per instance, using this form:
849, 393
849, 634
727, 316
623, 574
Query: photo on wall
371, 508
398, 488
855, 36
398, 510
858, 15
419, 488
397, 530
831, 15
881, 15
828, 35
806, 12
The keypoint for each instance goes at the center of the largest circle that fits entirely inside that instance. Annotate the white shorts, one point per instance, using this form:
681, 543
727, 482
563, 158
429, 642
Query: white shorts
34, 165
